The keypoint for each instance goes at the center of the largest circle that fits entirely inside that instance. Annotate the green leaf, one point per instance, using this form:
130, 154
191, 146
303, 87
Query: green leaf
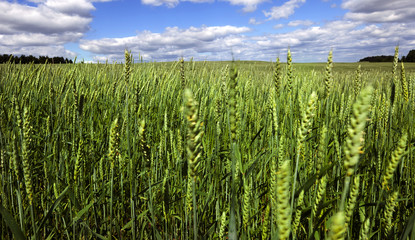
409, 227
82, 212
92, 232
127, 225
12, 224
52, 208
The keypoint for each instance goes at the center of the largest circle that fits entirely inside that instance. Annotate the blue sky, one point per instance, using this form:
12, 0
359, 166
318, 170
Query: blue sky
165, 30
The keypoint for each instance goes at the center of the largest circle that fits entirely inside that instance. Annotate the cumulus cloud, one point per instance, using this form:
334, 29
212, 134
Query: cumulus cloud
248, 5
349, 40
380, 11
296, 23
43, 24
278, 26
171, 3
253, 21
51, 51
172, 43
283, 11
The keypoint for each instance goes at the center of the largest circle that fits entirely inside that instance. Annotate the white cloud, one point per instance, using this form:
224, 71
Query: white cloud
284, 11
172, 43
296, 23
349, 40
43, 25
248, 5
169, 3
50, 51
42, 19
78, 7
380, 11
253, 21
278, 26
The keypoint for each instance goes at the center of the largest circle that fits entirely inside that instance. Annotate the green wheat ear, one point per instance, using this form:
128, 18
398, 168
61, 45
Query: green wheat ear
194, 142
298, 210
328, 79
289, 71
388, 214
127, 65
277, 75
80, 158
307, 119
393, 164
337, 228
265, 226
114, 143
320, 194
357, 83
404, 84
182, 73
233, 103
355, 130
246, 201
352, 200
27, 153
283, 200
222, 225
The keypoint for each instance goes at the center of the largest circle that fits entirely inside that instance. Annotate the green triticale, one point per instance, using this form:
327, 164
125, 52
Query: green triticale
16, 160
328, 79
297, 216
17, 113
127, 65
393, 164
273, 189
337, 148
321, 191
364, 230
395, 64
233, 102
357, 83
277, 75
222, 225
404, 83
27, 150
283, 200
189, 196
355, 130
195, 133
281, 151
265, 225
307, 119
352, 200
394, 82
165, 193
289, 72
273, 110
80, 158
321, 150
337, 228
114, 143
145, 148
182, 73
388, 213
246, 201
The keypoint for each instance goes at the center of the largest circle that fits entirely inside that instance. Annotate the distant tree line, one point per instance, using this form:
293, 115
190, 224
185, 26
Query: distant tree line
32, 59
408, 58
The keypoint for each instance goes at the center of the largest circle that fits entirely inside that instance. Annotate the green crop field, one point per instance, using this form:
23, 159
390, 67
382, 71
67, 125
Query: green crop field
207, 150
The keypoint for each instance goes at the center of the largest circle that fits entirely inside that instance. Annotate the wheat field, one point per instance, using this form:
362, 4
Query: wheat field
207, 150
